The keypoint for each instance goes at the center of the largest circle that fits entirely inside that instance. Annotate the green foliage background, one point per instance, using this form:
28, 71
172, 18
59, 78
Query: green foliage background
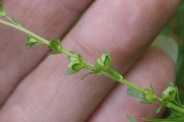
175, 28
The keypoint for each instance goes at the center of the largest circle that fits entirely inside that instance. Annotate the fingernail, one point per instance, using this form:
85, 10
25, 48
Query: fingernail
168, 45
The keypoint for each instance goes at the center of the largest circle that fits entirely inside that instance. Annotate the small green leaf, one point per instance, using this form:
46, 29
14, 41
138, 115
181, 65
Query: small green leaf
134, 93
31, 42
151, 86
2, 12
171, 84
87, 75
147, 95
130, 119
107, 59
15, 21
69, 72
159, 108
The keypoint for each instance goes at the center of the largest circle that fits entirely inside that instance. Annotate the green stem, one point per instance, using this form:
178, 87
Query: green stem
171, 105
24, 30
129, 84
174, 107
67, 53
122, 80
89, 66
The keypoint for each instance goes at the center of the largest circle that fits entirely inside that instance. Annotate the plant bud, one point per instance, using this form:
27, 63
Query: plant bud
170, 93
104, 61
2, 12
149, 96
76, 64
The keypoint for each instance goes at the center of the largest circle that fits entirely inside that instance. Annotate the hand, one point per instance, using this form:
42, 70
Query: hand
34, 87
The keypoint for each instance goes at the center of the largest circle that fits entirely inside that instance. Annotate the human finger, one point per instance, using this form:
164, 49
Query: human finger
50, 18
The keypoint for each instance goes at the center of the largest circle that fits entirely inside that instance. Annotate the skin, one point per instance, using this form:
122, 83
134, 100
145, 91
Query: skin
34, 86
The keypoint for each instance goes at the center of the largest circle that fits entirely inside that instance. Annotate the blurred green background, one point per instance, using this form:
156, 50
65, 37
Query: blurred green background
175, 28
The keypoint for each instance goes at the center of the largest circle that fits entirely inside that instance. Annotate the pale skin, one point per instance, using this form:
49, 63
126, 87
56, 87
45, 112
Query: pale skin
34, 86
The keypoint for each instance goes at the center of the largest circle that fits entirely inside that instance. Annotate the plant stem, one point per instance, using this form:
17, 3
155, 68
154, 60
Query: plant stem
129, 84
24, 30
89, 66
11, 20
171, 105
122, 81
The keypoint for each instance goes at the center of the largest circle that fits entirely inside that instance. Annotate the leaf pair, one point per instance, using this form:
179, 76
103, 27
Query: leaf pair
76, 63
31, 42
102, 63
56, 46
